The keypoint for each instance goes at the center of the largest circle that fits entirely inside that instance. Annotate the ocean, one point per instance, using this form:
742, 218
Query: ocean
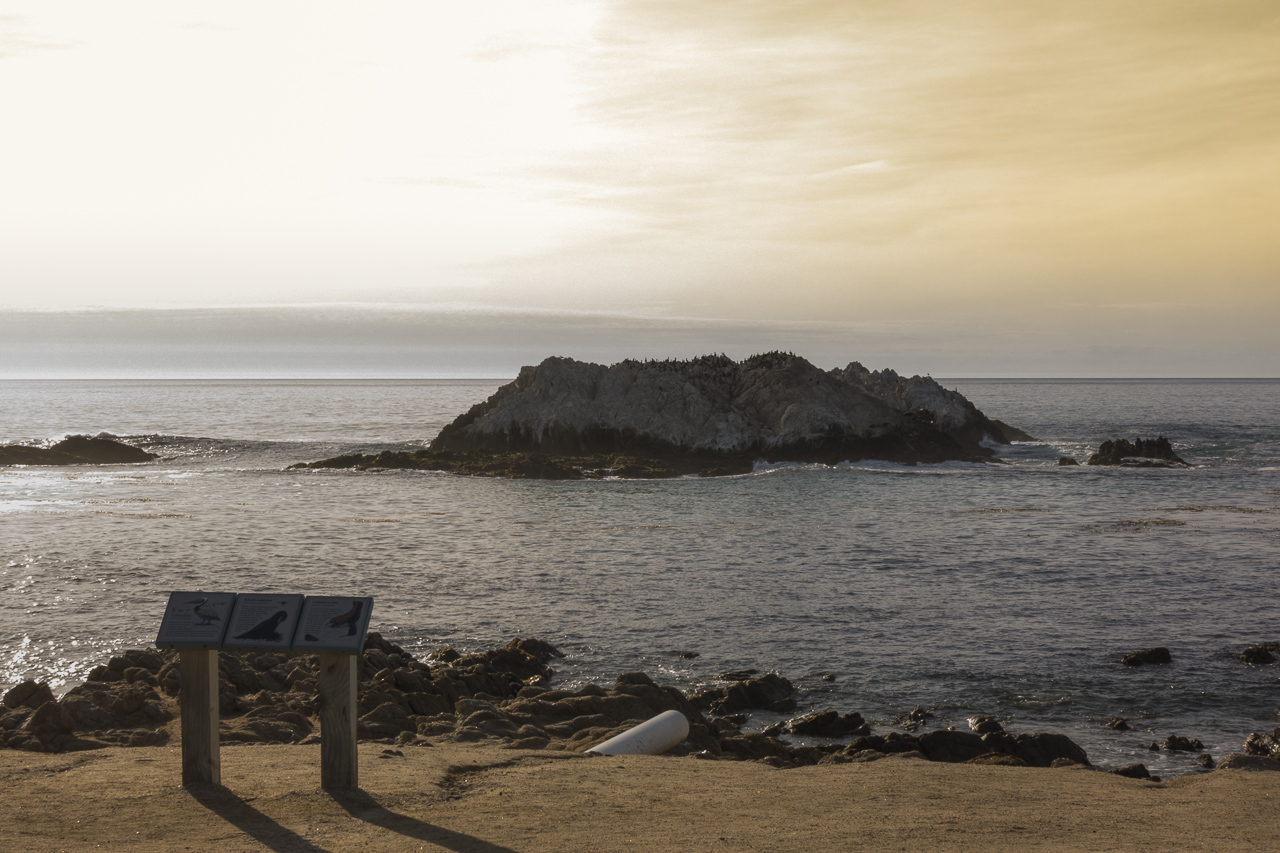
1011, 589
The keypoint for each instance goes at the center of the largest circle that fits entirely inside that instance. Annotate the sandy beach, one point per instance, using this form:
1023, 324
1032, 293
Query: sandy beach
461, 797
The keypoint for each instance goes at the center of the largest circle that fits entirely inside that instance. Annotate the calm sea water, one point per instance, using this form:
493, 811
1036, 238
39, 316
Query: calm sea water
1009, 589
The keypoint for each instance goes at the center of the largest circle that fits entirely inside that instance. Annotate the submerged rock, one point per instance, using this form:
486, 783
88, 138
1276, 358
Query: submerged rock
1159, 654
1261, 655
827, 723
710, 416
75, 450
1142, 453
769, 692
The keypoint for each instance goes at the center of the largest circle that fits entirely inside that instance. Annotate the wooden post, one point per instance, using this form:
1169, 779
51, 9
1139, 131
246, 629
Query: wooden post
201, 764
336, 689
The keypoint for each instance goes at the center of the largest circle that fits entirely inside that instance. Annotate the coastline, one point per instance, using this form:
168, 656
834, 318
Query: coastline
468, 797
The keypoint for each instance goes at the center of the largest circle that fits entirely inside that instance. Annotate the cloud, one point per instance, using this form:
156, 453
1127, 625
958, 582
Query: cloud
470, 340
16, 38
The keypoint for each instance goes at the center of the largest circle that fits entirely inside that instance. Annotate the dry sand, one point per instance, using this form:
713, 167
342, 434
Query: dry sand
457, 797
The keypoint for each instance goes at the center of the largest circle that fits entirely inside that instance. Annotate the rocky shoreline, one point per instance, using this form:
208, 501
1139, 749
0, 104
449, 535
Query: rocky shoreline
504, 696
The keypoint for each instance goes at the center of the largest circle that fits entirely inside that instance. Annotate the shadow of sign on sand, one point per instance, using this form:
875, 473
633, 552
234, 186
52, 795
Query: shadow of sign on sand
358, 803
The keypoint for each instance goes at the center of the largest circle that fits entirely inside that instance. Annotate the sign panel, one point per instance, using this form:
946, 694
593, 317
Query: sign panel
195, 620
332, 623
261, 621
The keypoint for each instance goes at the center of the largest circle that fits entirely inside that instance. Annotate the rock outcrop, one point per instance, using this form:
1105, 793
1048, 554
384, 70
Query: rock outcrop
709, 415
1264, 745
75, 450
1142, 453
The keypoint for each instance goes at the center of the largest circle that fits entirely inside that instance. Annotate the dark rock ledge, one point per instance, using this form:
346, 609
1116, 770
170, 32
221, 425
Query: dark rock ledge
501, 696
75, 450
566, 419
1142, 453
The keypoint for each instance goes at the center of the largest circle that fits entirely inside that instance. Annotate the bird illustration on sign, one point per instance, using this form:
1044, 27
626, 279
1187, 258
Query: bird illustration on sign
207, 615
266, 629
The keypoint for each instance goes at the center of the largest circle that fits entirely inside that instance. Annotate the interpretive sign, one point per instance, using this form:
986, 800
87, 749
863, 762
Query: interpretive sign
195, 620
261, 621
332, 623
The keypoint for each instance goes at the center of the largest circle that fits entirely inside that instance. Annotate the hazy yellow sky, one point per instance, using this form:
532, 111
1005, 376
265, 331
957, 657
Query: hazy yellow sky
1097, 175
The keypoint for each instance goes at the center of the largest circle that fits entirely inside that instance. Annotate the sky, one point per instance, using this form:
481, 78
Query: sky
991, 188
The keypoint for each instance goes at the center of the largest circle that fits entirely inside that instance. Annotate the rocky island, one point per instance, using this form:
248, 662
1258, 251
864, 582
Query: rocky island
567, 419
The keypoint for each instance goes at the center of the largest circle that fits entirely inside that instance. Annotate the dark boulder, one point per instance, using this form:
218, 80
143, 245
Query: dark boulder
1118, 723
769, 692
1264, 745
824, 724
28, 694
890, 744
1043, 748
1067, 460
984, 724
1133, 771
952, 746
1001, 742
1178, 743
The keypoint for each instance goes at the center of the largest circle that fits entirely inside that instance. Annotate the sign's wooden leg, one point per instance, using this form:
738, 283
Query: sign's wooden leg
201, 764
336, 689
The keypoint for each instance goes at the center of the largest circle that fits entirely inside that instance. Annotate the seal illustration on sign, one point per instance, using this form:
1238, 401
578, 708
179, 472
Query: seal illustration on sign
351, 618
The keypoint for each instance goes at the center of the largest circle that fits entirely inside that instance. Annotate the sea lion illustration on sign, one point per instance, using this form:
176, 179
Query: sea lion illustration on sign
351, 618
207, 614
266, 629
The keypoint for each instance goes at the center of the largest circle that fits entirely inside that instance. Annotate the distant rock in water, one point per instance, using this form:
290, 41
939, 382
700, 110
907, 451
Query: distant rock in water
776, 405
75, 450
1143, 453
567, 419
1159, 654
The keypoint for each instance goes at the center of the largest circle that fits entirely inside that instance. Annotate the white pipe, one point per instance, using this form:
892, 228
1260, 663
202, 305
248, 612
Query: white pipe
652, 737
